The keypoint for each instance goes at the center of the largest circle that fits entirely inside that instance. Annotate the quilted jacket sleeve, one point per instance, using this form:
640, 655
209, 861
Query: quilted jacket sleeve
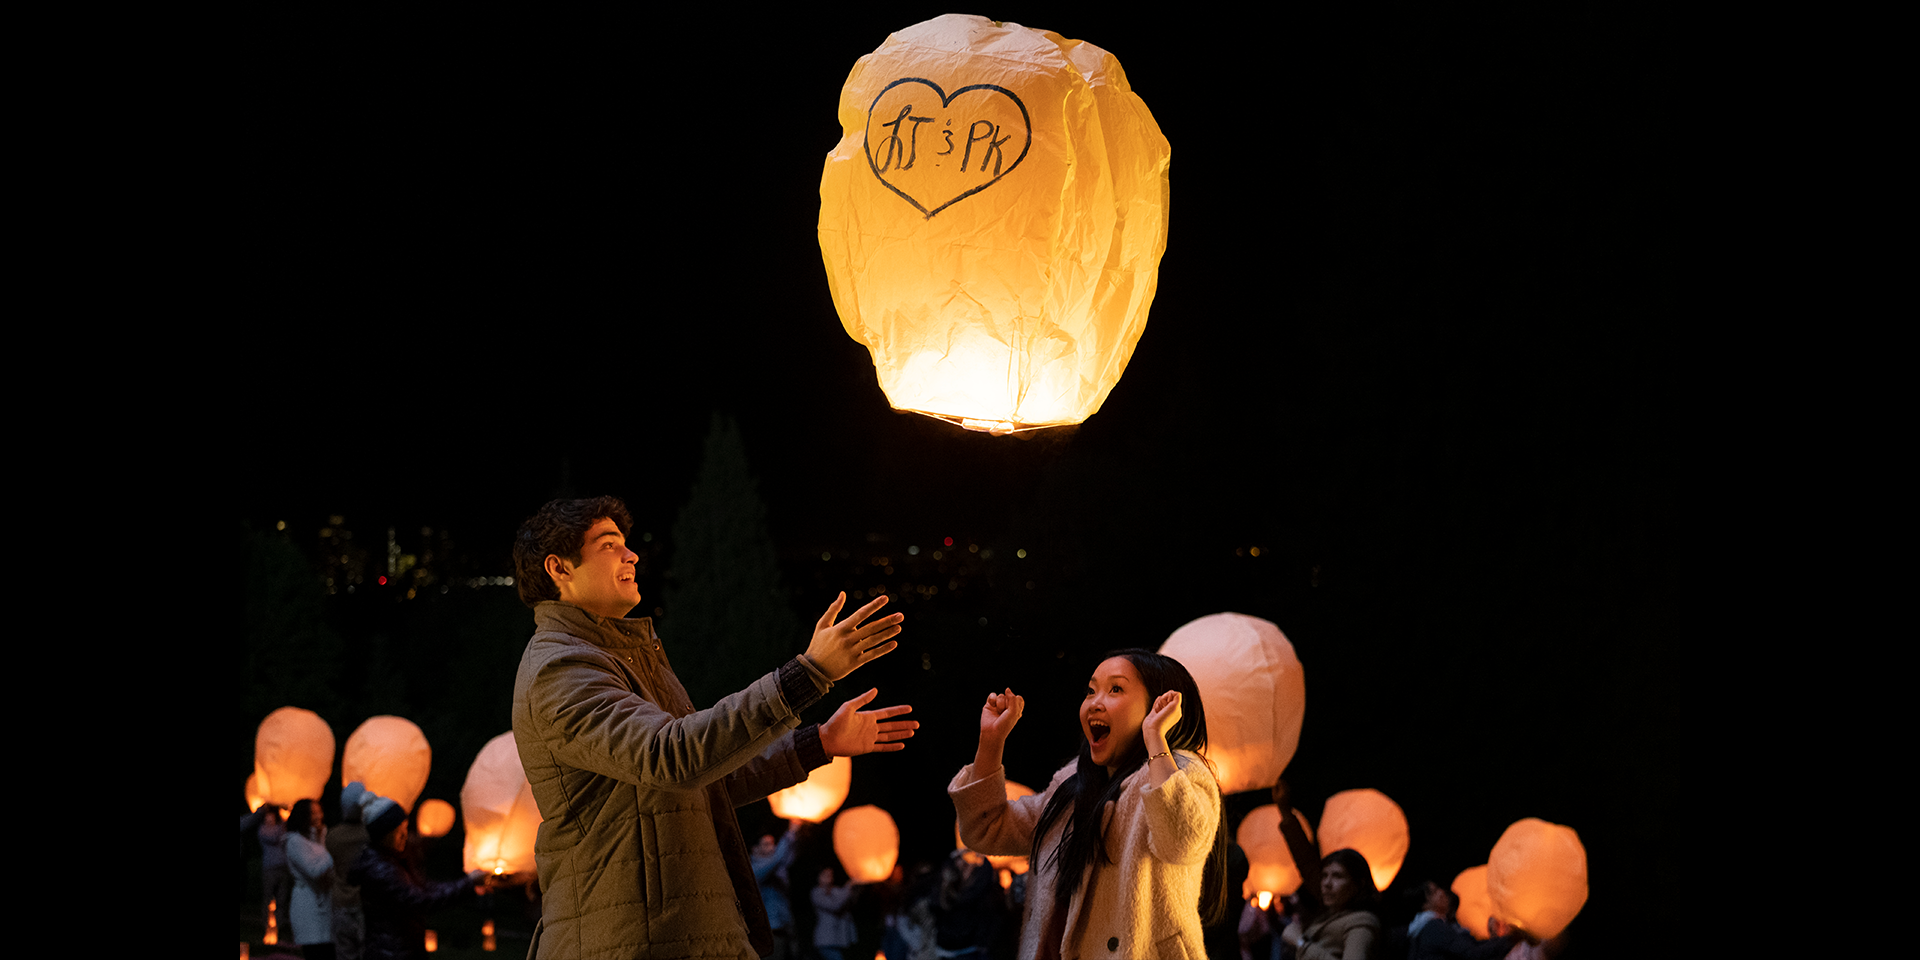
590, 718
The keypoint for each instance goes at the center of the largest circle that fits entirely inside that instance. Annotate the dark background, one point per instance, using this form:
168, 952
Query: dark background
1412, 339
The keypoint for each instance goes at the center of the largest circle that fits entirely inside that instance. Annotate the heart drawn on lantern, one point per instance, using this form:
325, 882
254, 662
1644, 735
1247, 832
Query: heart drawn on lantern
936, 156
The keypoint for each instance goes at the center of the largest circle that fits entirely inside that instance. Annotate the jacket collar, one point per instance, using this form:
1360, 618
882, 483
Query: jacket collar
613, 633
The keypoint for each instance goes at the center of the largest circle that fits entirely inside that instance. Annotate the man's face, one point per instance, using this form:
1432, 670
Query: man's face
602, 583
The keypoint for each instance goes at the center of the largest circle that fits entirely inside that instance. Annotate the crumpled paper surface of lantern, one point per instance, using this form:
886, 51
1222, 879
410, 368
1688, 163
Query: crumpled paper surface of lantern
503, 821
1255, 693
818, 796
391, 757
1370, 822
992, 221
1475, 905
867, 842
1537, 876
292, 756
1270, 865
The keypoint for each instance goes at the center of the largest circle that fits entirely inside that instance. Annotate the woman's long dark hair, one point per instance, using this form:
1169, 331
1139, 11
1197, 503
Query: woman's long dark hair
1082, 847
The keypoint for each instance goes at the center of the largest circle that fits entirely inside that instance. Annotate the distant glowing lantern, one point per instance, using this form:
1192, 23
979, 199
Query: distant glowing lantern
867, 843
992, 221
1369, 822
1270, 866
433, 941
502, 819
1475, 906
818, 796
487, 943
1015, 863
1537, 877
252, 790
292, 755
272, 936
391, 757
1255, 694
436, 818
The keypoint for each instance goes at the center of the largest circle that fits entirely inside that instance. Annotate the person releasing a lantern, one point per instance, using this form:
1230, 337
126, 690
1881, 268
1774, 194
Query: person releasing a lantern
394, 897
639, 853
1346, 927
1141, 882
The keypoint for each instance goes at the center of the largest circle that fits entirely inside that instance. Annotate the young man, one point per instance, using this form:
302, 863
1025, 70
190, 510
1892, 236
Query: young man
639, 852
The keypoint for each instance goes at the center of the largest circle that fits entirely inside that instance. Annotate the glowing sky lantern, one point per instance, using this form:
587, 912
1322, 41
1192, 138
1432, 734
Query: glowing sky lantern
1270, 865
502, 819
1015, 864
992, 221
1537, 877
1475, 906
1255, 693
391, 757
1369, 822
436, 818
867, 843
818, 796
255, 797
292, 756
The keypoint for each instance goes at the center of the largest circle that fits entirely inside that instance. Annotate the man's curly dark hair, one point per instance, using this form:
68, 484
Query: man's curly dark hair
559, 529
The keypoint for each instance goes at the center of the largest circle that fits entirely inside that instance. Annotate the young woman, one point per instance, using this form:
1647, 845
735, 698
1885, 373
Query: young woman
1347, 928
1125, 842
312, 869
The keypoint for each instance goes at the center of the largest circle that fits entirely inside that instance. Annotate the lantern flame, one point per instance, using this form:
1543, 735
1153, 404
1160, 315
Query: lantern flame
1265, 899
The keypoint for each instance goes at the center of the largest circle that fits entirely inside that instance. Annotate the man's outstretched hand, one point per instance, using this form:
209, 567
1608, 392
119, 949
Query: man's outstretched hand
838, 648
851, 731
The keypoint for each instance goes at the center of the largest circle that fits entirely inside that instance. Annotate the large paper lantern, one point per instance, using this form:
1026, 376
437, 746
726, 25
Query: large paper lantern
1537, 877
1475, 906
1255, 694
1372, 824
1270, 865
436, 818
1016, 864
992, 221
502, 819
818, 796
390, 756
292, 755
867, 843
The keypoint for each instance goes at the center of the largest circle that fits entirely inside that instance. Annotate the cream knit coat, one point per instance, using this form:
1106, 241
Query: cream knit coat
1146, 900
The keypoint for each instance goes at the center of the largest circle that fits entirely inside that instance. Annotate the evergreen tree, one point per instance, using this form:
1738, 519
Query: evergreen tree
726, 619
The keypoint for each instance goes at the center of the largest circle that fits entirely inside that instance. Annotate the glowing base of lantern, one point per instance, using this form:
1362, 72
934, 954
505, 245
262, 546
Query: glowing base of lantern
998, 428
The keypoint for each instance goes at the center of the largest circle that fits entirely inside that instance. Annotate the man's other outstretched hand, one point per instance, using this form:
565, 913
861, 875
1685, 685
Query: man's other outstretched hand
851, 731
839, 648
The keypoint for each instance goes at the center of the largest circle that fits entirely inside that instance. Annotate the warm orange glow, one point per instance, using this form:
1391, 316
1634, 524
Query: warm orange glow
253, 793
1002, 297
1475, 906
1367, 821
1537, 877
1270, 866
292, 756
487, 942
436, 818
1251, 680
390, 756
272, 935
867, 843
433, 942
1006, 879
818, 796
502, 819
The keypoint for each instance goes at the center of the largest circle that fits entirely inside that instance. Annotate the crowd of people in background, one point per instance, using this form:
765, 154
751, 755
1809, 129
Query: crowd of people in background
355, 891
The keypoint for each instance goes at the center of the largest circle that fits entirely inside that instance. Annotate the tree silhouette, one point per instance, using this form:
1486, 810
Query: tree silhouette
726, 619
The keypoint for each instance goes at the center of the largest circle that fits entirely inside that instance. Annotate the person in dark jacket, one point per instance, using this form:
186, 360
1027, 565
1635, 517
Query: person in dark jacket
394, 897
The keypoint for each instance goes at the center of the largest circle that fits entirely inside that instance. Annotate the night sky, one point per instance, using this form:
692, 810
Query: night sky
1412, 339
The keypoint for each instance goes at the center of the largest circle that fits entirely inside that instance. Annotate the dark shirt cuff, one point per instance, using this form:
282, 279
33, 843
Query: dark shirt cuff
796, 684
806, 745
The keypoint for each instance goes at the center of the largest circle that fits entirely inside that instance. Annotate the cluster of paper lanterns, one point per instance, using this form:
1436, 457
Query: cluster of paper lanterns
992, 221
